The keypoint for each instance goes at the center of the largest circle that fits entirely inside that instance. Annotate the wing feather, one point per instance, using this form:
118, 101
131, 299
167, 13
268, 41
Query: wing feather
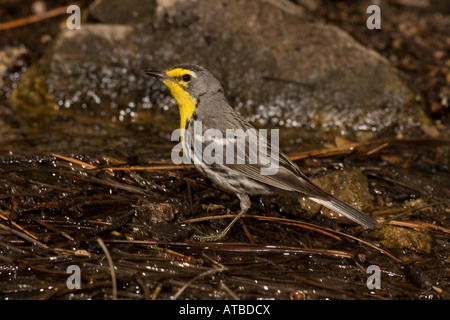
288, 178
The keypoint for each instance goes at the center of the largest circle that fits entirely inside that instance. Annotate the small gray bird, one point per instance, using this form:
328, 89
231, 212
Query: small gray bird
202, 102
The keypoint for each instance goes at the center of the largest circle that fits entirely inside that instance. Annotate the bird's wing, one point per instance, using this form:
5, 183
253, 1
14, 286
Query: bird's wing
287, 178
292, 180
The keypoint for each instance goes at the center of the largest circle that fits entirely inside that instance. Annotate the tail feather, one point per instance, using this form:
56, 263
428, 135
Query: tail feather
348, 211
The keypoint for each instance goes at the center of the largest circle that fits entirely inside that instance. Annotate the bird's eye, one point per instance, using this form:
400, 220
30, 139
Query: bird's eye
187, 77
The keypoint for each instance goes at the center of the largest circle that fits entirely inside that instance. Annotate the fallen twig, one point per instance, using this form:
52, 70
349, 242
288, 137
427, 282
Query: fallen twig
18, 227
325, 231
239, 247
35, 18
111, 267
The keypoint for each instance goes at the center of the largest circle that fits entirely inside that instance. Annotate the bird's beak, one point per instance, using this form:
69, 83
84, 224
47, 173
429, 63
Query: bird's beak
159, 75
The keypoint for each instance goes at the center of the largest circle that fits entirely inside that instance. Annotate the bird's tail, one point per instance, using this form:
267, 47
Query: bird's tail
348, 211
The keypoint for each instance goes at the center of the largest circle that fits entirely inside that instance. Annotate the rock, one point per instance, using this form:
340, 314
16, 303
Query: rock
349, 186
157, 212
418, 276
403, 238
297, 75
78, 91
117, 11
164, 5
155, 220
10, 133
11, 59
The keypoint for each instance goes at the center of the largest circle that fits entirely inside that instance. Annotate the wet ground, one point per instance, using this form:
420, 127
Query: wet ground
63, 189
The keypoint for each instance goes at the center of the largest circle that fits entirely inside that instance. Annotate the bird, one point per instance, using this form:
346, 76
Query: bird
201, 99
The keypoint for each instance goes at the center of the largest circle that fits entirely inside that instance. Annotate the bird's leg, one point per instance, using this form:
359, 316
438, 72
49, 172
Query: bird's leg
245, 204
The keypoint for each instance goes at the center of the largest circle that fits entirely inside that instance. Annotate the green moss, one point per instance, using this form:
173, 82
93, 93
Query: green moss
395, 237
349, 186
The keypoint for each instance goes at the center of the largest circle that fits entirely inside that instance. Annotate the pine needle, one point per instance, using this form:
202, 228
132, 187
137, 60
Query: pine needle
35, 18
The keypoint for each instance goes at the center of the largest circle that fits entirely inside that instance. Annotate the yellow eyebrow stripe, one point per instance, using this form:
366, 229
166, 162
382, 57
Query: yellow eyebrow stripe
179, 72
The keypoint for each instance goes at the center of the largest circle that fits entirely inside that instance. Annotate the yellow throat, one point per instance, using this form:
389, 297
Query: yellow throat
186, 103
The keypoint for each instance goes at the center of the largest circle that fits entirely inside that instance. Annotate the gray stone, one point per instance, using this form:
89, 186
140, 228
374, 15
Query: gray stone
277, 69
123, 12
